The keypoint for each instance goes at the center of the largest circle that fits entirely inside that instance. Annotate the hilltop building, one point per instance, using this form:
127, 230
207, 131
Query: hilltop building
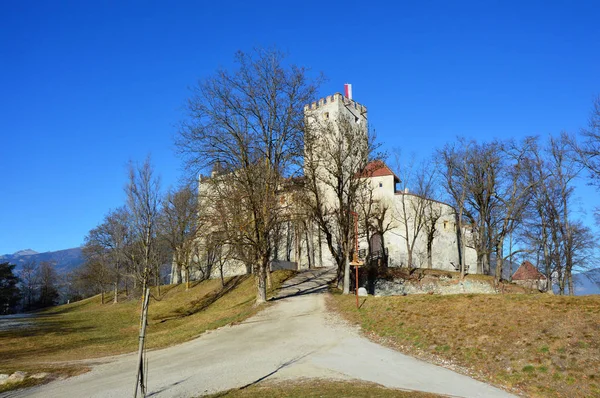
529, 276
427, 226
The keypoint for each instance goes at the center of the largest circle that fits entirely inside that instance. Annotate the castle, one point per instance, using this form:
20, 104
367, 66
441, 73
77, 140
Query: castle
414, 230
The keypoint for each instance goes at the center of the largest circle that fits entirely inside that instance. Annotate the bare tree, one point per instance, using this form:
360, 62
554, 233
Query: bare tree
180, 224
47, 279
143, 203
589, 151
513, 194
375, 215
29, 283
561, 242
105, 245
454, 168
249, 122
96, 273
336, 156
415, 212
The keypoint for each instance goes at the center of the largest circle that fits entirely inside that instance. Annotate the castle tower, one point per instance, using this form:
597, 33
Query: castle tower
336, 138
335, 107
336, 127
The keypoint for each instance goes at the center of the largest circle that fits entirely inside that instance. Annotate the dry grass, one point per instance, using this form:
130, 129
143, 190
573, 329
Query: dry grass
89, 329
545, 346
311, 388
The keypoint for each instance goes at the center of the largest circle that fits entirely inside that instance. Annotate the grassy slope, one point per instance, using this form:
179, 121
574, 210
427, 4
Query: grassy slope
88, 329
546, 346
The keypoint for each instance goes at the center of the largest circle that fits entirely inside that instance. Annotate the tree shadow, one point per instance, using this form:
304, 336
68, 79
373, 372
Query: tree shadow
282, 366
314, 290
153, 393
206, 301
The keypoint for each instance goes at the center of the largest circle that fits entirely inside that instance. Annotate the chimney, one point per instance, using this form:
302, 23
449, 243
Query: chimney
348, 90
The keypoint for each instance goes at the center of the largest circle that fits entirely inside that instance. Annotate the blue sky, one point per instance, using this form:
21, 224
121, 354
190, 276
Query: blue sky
87, 86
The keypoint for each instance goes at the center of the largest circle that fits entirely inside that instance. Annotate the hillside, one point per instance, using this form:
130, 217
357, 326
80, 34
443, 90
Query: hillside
538, 344
88, 329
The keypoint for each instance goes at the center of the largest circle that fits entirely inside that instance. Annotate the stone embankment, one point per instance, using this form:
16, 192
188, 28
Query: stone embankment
402, 287
402, 282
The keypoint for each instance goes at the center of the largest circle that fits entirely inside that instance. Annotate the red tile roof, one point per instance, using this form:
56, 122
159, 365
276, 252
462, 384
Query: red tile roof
527, 271
377, 168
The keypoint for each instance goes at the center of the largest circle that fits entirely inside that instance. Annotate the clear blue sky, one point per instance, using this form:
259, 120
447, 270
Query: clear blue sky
87, 86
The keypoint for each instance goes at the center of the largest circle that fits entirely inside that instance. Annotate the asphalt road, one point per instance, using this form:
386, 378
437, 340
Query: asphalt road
295, 338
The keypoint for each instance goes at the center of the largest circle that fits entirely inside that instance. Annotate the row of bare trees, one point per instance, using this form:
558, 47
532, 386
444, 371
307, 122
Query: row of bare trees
247, 125
39, 285
130, 249
273, 166
516, 200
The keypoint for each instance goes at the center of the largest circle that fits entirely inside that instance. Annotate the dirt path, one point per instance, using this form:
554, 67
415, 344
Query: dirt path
294, 338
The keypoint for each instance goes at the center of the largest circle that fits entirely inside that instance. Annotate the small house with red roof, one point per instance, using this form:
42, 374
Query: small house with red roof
529, 276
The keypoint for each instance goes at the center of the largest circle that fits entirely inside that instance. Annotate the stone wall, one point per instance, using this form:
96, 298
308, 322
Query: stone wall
399, 287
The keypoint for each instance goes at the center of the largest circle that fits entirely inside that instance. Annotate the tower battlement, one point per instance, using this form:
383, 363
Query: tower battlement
330, 99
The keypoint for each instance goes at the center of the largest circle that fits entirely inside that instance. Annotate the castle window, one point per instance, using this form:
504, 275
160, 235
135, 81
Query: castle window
445, 225
380, 185
326, 115
356, 119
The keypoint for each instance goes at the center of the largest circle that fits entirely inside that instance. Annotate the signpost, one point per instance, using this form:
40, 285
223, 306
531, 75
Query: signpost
355, 261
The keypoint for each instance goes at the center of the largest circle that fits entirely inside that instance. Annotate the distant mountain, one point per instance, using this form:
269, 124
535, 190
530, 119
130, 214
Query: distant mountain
26, 252
587, 282
65, 260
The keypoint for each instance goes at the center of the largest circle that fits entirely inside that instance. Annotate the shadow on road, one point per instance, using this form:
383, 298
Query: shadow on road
153, 393
282, 366
307, 282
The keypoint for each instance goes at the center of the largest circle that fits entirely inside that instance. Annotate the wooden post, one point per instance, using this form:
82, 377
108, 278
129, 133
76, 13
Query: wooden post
356, 272
139, 382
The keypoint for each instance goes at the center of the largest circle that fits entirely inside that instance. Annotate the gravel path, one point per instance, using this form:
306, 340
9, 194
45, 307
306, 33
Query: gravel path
294, 338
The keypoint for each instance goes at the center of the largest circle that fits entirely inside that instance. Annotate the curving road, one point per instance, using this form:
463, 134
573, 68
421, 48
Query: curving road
294, 338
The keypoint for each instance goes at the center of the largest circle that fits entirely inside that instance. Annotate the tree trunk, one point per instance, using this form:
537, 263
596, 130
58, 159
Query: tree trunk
187, 278
499, 258
479, 263
261, 286
269, 281
570, 284
116, 299
346, 273
320, 247
102, 297
308, 251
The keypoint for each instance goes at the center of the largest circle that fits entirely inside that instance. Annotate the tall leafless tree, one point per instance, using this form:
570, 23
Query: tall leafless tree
29, 283
180, 225
415, 213
249, 122
143, 203
454, 168
336, 156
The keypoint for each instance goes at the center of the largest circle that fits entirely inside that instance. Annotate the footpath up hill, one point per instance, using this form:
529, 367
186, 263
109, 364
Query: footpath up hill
88, 329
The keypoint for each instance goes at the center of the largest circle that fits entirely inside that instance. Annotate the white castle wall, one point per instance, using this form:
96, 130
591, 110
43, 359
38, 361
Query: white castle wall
445, 250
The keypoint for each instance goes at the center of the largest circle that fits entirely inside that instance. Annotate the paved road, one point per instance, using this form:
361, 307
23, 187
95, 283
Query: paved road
294, 338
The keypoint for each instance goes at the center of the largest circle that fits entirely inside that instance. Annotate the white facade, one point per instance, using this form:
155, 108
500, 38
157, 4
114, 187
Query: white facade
408, 228
301, 244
